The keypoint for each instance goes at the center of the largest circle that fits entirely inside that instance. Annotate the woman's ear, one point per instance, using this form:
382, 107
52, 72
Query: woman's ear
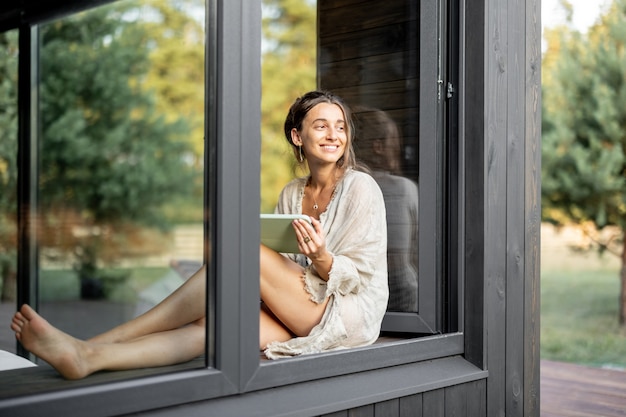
295, 137
378, 147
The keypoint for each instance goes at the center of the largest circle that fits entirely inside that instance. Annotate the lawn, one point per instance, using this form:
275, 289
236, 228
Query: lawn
579, 318
579, 310
63, 285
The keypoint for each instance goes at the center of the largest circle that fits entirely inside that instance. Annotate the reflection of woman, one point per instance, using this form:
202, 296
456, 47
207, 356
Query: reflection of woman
333, 295
379, 146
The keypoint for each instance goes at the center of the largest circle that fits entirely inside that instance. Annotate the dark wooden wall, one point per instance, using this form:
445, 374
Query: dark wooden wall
500, 128
502, 133
368, 53
463, 400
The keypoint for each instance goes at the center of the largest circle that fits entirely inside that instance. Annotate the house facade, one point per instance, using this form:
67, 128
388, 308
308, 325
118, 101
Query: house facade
461, 80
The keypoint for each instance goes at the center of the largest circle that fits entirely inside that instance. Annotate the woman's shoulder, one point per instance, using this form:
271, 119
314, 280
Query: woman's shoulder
362, 184
397, 183
362, 178
293, 188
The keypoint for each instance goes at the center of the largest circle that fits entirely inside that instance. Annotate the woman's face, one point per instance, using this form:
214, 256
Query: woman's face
324, 134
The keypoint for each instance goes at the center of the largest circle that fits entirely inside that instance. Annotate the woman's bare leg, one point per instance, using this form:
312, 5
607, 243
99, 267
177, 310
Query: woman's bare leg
76, 359
271, 329
282, 291
185, 305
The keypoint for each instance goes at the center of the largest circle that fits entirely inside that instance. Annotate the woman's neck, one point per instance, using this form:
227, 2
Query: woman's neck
324, 179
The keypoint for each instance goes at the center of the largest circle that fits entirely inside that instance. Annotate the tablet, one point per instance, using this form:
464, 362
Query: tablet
277, 231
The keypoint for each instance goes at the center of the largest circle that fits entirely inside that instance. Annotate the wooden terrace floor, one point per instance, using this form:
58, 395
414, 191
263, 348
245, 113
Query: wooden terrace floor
569, 390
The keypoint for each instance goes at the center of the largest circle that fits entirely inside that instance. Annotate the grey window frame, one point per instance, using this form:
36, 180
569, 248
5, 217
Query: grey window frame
445, 328
233, 111
433, 212
232, 83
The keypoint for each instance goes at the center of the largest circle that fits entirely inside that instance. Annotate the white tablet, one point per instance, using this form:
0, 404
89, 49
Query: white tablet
277, 231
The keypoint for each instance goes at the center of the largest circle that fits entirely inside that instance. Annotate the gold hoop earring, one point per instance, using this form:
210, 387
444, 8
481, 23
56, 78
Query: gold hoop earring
300, 151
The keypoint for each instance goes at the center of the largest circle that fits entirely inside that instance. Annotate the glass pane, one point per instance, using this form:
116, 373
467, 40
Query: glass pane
288, 70
121, 165
366, 52
8, 185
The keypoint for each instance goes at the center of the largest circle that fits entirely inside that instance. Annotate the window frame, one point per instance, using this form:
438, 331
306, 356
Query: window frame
432, 213
230, 27
445, 328
232, 169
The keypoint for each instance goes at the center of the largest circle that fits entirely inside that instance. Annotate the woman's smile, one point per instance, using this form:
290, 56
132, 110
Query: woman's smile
323, 136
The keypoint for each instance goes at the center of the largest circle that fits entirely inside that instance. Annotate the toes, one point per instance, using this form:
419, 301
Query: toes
27, 312
18, 321
16, 326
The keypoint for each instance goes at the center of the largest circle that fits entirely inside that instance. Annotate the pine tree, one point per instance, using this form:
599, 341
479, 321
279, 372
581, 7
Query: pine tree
109, 160
584, 128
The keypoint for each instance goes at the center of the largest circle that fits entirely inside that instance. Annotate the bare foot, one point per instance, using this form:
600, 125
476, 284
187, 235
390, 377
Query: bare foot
62, 351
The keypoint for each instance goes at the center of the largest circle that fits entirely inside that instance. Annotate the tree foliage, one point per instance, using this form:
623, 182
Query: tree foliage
176, 73
8, 120
122, 115
8, 159
584, 124
289, 70
121, 129
105, 147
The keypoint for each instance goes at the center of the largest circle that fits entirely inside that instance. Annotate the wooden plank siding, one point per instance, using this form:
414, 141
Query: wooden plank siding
532, 202
463, 400
512, 165
568, 390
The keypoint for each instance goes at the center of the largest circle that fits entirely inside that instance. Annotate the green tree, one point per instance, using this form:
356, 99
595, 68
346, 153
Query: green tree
8, 159
584, 128
289, 69
175, 35
176, 74
109, 159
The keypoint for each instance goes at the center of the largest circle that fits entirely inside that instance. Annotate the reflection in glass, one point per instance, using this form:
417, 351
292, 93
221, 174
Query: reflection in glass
372, 61
379, 147
8, 184
121, 167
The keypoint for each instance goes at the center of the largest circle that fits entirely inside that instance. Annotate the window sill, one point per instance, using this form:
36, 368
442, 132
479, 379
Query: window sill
28, 391
347, 391
383, 354
406, 365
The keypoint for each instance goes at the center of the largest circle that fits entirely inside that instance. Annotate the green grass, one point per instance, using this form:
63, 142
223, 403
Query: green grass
579, 318
63, 284
579, 310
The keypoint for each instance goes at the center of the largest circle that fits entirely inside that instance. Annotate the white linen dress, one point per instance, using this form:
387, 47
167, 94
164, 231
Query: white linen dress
356, 236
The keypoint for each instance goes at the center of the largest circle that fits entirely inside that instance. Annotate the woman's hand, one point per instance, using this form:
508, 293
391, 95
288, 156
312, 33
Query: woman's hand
312, 243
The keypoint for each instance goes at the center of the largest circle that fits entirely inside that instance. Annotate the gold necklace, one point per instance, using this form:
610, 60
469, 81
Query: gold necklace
315, 205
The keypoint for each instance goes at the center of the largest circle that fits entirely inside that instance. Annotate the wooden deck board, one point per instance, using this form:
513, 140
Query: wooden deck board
569, 390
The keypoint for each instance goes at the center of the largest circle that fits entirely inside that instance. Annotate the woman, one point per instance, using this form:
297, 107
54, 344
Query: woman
333, 295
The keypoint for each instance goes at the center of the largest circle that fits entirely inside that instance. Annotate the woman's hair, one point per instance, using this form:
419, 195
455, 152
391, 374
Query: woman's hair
378, 142
301, 107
